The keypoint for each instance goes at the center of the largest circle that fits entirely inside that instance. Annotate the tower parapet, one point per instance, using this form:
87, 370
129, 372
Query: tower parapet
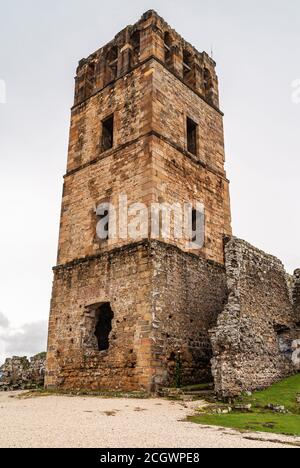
150, 38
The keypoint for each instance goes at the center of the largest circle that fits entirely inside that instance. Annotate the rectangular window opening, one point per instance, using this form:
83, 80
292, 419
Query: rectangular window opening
192, 131
108, 133
194, 225
198, 228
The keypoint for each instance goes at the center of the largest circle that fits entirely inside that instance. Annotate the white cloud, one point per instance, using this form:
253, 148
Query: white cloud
27, 340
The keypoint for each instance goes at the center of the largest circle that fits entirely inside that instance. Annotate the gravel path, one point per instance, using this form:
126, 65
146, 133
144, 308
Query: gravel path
109, 423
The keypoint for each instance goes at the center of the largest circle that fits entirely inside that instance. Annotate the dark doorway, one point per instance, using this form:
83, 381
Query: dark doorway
104, 317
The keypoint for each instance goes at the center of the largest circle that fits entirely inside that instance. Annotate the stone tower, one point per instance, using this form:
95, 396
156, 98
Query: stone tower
134, 314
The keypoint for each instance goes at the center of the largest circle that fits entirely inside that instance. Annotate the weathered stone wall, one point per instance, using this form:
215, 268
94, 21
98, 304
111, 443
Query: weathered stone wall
126, 172
129, 99
136, 44
296, 296
181, 176
172, 103
20, 373
188, 293
149, 161
164, 302
296, 353
123, 279
252, 343
177, 178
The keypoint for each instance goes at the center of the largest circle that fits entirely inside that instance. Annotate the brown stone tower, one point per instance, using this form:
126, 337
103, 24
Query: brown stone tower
146, 124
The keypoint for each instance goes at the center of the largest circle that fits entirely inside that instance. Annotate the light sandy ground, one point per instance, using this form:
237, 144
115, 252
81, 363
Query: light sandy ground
109, 423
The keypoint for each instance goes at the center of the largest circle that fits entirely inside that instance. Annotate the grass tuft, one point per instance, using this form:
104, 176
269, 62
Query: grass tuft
262, 419
41, 392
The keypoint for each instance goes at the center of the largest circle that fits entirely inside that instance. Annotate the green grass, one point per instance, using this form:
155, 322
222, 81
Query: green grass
283, 393
42, 392
261, 419
288, 424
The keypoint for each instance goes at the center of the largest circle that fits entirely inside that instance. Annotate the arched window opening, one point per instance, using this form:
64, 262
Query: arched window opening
188, 68
135, 42
168, 48
207, 83
112, 64
104, 317
91, 71
90, 78
85, 81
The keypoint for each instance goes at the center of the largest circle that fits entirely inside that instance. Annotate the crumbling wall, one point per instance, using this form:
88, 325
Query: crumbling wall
252, 343
296, 296
296, 303
20, 373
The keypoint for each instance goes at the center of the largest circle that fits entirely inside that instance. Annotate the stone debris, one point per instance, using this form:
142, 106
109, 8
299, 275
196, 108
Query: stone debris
243, 408
18, 373
218, 409
277, 408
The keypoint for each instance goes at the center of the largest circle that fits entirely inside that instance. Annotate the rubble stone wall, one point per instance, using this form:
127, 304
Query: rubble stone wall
19, 372
296, 296
188, 295
252, 343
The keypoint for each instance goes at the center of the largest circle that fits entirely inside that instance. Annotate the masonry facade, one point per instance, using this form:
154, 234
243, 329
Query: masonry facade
145, 123
137, 314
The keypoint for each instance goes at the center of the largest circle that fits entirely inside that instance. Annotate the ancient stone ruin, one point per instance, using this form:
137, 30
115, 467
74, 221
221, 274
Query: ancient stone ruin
255, 335
151, 312
19, 373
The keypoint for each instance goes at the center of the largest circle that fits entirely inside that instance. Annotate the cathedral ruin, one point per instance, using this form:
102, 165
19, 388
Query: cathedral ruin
140, 314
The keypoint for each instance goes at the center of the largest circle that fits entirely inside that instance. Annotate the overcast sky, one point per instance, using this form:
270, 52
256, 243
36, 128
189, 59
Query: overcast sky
256, 45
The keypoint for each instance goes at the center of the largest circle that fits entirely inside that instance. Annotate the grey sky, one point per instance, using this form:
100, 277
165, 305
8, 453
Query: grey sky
256, 45
4, 322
